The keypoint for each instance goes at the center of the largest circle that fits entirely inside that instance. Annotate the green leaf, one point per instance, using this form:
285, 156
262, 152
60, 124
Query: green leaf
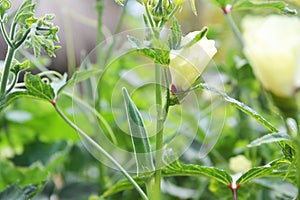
41, 152
122, 185
25, 11
221, 3
173, 170
175, 37
263, 171
279, 5
139, 136
14, 192
136, 43
248, 5
159, 51
80, 76
241, 106
10, 174
160, 56
179, 169
37, 33
193, 5
37, 88
41, 42
270, 138
18, 66
11, 97
198, 37
120, 2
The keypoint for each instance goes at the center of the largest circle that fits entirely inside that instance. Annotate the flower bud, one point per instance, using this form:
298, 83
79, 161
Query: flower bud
187, 64
272, 46
239, 164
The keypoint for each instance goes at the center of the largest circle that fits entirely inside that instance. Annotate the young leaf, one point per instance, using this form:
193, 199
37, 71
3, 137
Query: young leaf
136, 43
193, 5
246, 109
198, 37
175, 37
270, 138
140, 140
25, 11
179, 169
263, 171
4, 6
37, 88
160, 56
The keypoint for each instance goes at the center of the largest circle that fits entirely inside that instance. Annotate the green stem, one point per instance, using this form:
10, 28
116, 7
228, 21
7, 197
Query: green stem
117, 30
12, 86
50, 74
149, 16
170, 16
20, 42
69, 36
12, 31
154, 184
167, 105
102, 173
8, 60
100, 149
5, 35
99, 8
97, 114
234, 28
159, 136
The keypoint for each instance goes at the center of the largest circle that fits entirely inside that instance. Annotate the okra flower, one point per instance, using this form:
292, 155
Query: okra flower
187, 64
239, 164
272, 46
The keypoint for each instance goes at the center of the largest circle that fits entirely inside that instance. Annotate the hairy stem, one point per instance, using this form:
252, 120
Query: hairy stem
100, 149
159, 136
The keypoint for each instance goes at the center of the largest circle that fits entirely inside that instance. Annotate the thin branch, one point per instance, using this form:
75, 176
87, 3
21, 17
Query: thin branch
5, 35
20, 42
100, 149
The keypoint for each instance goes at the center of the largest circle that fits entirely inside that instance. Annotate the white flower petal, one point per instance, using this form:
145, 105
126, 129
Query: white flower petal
187, 64
272, 46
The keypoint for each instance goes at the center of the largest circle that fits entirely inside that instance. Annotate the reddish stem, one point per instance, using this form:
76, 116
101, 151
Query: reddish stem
234, 189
